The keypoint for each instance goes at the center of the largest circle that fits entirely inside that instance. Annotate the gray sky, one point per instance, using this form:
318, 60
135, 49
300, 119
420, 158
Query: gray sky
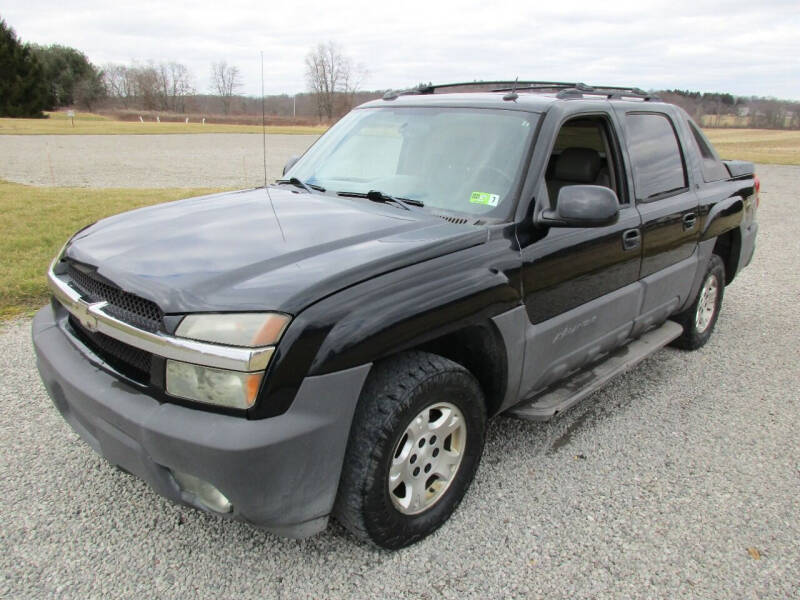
744, 47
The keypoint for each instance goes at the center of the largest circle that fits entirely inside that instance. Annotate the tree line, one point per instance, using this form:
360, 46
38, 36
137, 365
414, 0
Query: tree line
154, 86
37, 78
332, 80
166, 86
727, 110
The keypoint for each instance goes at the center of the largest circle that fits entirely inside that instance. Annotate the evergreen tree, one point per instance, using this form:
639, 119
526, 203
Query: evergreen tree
70, 77
23, 89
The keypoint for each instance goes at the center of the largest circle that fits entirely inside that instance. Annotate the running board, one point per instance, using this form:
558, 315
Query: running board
564, 394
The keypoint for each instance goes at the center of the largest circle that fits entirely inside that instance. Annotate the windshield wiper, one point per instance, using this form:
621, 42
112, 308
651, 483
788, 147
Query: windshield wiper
309, 187
377, 196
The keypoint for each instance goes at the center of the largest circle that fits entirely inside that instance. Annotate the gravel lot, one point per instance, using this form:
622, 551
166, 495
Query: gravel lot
147, 161
655, 487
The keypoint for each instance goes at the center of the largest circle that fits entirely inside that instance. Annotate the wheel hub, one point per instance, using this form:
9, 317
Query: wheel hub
427, 457
707, 304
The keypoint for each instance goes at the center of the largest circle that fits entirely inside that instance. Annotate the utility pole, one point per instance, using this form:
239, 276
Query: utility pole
294, 105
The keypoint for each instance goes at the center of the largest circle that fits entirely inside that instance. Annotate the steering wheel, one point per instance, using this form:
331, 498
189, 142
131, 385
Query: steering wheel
497, 172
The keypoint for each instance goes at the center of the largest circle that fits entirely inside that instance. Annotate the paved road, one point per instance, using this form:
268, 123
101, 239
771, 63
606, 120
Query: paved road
147, 161
653, 488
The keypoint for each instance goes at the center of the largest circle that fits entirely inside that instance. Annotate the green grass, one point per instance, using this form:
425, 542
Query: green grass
38, 220
91, 124
774, 146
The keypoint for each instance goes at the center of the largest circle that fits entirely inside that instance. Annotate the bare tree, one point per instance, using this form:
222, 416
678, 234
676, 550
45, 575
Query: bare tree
119, 81
162, 86
147, 87
114, 76
174, 84
225, 81
331, 76
180, 85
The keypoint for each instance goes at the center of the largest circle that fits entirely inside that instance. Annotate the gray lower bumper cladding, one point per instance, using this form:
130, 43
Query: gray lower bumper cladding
280, 473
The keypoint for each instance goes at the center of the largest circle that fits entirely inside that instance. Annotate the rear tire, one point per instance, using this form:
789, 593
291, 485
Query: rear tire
415, 444
700, 318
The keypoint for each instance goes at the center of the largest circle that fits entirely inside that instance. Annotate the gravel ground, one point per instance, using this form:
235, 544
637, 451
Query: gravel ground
655, 487
147, 161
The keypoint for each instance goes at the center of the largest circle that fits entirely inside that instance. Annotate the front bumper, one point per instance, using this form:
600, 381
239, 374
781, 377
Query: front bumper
280, 473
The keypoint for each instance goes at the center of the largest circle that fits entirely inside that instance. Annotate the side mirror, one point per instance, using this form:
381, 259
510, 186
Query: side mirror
290, 163
582, 206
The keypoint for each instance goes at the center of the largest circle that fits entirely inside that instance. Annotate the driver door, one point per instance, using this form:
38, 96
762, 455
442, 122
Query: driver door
580, 284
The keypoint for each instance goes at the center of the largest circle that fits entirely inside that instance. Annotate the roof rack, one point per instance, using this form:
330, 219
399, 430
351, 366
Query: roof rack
610, 92
541, 85
564, 90
479, 86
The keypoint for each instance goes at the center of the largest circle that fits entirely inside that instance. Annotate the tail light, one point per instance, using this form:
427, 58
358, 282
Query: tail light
757, 185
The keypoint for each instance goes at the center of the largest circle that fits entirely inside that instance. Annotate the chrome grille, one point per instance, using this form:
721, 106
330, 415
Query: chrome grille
122, 305
126, 359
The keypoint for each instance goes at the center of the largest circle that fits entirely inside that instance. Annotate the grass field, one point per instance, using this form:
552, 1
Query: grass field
778, 147
723, 121
38, 220
91, 124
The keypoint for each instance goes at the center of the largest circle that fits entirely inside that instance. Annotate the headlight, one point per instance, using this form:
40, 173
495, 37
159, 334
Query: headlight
231, 389
235, 329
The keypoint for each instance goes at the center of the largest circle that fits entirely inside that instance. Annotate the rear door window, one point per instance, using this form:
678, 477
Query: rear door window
656, 157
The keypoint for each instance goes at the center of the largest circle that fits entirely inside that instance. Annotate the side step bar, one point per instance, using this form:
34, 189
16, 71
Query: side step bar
564, 394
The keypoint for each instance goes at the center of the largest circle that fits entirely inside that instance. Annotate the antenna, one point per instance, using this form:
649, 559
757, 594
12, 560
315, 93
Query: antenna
264, 126
512, 95
264, 144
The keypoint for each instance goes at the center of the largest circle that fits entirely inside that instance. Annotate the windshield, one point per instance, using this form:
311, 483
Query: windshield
464, 160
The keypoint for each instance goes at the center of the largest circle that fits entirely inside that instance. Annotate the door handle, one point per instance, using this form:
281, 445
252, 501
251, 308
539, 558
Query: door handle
689, 220
632, 238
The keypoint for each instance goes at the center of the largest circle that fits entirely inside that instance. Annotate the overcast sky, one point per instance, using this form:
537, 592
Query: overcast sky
742, 47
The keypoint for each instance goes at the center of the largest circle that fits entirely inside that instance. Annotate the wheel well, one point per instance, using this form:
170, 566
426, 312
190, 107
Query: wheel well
727, 248
480, 349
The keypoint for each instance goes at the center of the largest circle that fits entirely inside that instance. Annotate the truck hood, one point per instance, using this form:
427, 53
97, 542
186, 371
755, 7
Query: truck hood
245, 251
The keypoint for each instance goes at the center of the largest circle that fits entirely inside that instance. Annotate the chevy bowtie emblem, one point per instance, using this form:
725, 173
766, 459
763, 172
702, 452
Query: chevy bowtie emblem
83, 312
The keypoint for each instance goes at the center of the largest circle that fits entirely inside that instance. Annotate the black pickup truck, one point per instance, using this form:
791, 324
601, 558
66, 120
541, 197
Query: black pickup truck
333, 344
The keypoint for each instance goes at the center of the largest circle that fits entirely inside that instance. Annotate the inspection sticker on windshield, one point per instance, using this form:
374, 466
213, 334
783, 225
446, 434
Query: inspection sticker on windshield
484, 198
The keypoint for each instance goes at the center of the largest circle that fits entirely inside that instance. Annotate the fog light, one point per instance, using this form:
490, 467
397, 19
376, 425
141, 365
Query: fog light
212, 386
206, 494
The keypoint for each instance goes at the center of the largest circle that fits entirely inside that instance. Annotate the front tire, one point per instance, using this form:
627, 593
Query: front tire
415, 444
700, 318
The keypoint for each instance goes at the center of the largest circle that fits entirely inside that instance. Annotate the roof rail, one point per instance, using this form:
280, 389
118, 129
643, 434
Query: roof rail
608, 91
564, 89
485, 86
541, 85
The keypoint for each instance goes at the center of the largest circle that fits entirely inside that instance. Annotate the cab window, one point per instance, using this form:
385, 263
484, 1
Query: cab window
710, 164
583, 154
656, 157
